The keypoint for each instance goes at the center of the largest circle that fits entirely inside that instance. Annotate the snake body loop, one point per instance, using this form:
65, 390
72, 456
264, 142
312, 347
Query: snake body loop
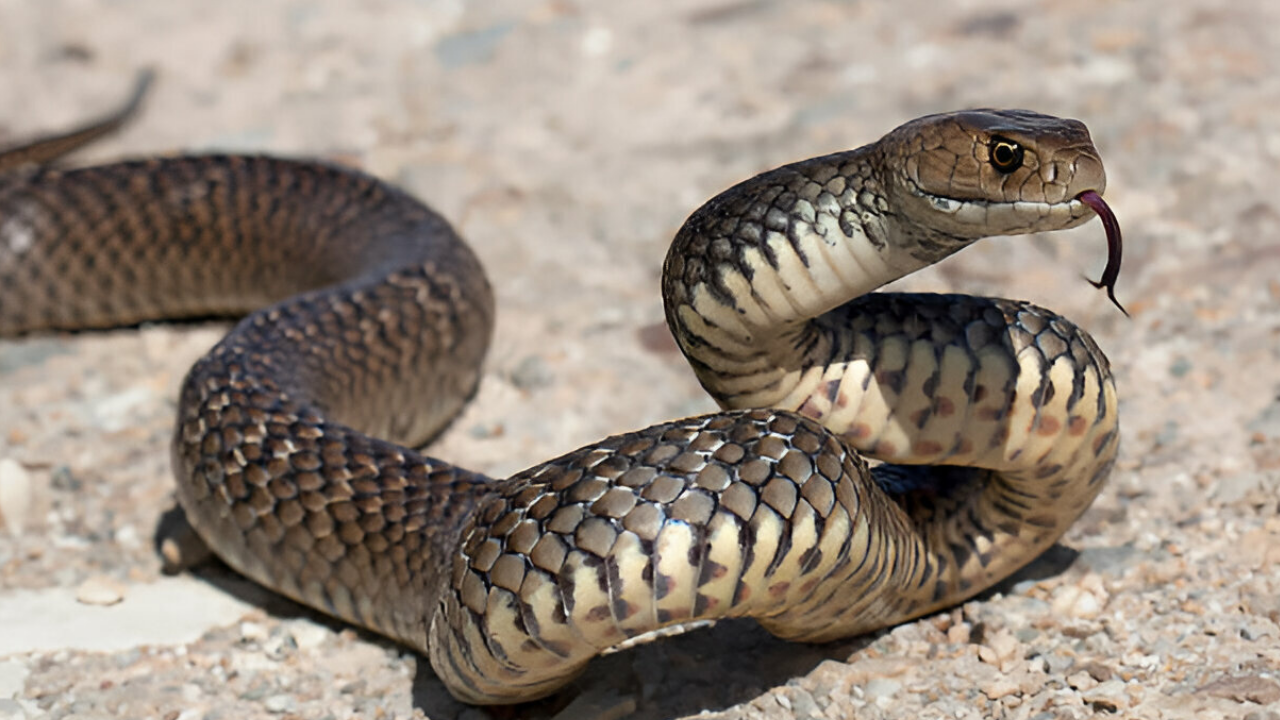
368, 319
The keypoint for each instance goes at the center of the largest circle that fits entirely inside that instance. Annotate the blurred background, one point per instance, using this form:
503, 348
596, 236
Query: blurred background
568, 141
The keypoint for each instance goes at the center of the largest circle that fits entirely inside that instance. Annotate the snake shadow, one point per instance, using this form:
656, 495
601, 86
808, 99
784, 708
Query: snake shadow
710, 669
702, 671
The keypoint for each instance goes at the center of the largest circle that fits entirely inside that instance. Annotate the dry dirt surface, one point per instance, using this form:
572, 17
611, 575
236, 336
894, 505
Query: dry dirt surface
568, 140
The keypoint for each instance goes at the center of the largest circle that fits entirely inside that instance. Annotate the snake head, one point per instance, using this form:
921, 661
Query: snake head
975, 173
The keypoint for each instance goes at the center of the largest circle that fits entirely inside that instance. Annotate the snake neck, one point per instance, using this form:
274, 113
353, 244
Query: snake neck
753, 276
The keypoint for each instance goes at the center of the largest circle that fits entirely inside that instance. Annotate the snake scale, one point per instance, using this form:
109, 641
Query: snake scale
366, 320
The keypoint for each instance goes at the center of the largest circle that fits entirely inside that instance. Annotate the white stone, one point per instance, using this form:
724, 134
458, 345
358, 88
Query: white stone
308, 634
15, 496
100, 590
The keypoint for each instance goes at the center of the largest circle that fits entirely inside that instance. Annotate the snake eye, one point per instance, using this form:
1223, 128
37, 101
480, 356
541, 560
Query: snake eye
1005, 155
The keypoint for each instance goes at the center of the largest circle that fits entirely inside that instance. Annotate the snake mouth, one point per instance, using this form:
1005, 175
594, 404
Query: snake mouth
1115, 245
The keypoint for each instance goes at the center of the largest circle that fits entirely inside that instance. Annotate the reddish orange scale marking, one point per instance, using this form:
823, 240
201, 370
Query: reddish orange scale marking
1049, 426
926, 447
1077, 426
944, 406
860, 431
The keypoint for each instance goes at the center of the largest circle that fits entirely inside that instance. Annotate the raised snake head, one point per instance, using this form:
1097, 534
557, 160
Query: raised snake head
975, 173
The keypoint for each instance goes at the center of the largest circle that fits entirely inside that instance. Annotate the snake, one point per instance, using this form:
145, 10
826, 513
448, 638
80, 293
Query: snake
877, 456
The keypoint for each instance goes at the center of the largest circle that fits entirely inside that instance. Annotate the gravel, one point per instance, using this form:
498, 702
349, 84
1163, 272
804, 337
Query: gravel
568, 140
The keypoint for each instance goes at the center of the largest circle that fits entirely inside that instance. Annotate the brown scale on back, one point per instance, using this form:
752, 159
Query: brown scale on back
368, 318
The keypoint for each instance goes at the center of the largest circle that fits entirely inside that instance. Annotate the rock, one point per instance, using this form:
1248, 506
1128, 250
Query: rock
281, 703
1000, 687
100, 590
1109, 696
1258, 601
1002, 646
1098, 671
1081, 681
1077, 602
878, 688
308, 635
15, 496
253, 632
802, 703
1245, 688
960, 633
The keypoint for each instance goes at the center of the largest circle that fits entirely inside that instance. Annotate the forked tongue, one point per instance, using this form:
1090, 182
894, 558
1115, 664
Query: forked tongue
1114, 246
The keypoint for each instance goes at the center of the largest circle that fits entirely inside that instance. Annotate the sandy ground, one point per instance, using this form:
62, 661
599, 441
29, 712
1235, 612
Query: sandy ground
568, 140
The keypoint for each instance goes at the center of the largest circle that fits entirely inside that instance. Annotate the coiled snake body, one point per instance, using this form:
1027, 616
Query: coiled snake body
368, 319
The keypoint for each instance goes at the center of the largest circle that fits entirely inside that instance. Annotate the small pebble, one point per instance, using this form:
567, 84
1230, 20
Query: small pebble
1057, 663
100, 590
1000, 687
308, 635
1109, 696
1003, 645
253, 632
1081, 681
882, 688
802, 703
1098, 671
532, 373
128, 536
1076, 602
15, 496
11, 710
282, 703
1245, 688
